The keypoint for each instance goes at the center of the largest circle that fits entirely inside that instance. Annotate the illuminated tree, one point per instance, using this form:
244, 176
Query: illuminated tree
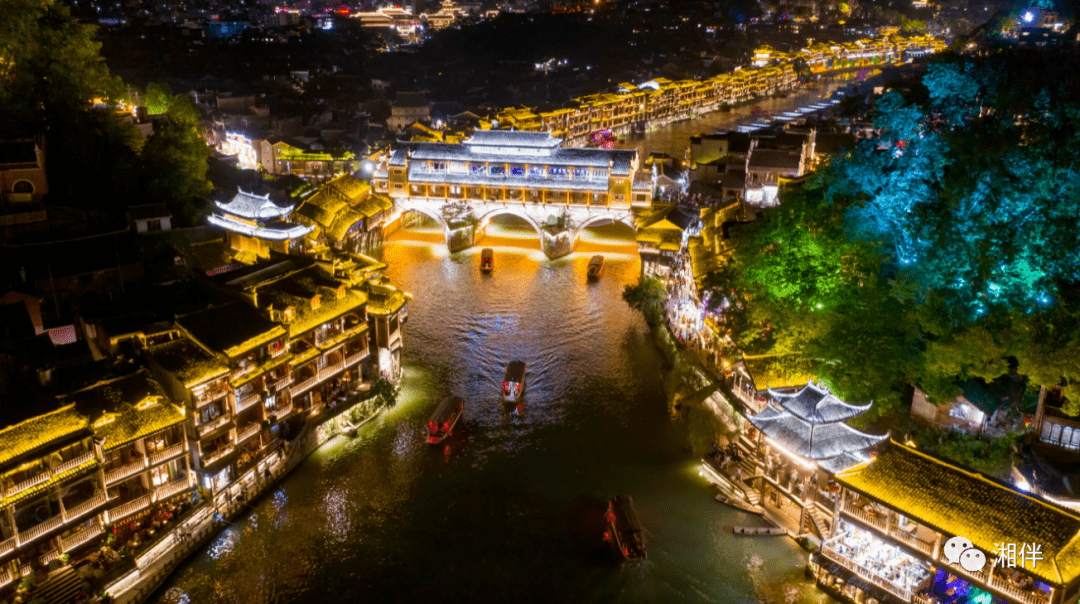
176, 157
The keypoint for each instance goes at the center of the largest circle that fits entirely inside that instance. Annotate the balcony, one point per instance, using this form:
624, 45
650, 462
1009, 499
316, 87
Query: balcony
354, 358
79, 510
279, 413
281, 384
247, 433
305, 385
213, 425
330, 370
114, 476
72, 541
49, 557
217, 455
210, 396
168, 490
8, 546
36, 531
5, 577
29, 483
73, 463
865, 517
1023, 595
246, 402
119, 513
167, 454
865, 573
912, 541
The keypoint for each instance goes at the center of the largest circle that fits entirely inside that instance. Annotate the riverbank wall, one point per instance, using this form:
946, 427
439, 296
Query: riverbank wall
153, 568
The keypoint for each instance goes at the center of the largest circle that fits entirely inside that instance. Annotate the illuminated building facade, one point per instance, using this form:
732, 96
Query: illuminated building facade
257, 226
515, 166
345, 215
109, 453
894, 514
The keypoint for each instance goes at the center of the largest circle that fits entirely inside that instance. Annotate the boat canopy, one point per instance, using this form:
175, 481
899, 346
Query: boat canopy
596, 260
446, 409
515, 372
487, 253
623, 506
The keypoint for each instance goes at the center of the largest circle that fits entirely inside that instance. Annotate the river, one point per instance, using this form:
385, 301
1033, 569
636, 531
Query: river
510, 509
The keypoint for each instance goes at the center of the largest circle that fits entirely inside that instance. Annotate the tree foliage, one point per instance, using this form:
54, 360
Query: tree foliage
176, 157
50, 66
944, 249
647, 296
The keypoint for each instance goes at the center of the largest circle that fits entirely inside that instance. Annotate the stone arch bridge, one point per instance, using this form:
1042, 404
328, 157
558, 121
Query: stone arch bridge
556, 239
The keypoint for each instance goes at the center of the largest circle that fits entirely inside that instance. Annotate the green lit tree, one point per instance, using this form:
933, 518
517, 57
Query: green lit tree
157, 98
647, 296
175, 157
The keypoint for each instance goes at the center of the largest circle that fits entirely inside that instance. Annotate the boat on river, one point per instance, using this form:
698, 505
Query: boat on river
487, 260
596, 267
624, 529
513, 382
444, 419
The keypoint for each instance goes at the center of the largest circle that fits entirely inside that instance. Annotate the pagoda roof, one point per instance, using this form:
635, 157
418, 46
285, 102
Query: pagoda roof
811, 441
274, 231
962, 502
513, 138
253, 207
815, 404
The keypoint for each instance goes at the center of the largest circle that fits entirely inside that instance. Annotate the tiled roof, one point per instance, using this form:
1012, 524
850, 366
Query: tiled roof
132, 406
125, 426
811, 441
39, 431
188, 361
384, 299
509, 181
964, 503
250, 206
562, 156
232, 328
815, 404
513, 138
770, 159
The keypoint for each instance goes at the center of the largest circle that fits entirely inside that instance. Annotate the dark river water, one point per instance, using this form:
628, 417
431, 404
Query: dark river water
510, 508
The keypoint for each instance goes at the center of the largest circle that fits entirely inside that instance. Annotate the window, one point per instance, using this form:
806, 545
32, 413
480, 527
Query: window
270, 402
438, 165
398, 186
517, 170
153, 225
498, 171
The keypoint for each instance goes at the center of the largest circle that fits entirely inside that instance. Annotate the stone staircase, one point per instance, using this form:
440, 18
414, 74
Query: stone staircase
60, 588
817, 520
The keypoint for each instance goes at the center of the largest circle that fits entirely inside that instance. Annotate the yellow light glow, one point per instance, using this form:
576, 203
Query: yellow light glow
793, 457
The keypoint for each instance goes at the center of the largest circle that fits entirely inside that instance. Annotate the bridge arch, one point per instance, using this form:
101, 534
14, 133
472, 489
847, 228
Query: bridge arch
605, 218
407, 205
519, 213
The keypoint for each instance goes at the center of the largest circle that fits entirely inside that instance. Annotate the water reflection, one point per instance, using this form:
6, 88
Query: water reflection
507, 508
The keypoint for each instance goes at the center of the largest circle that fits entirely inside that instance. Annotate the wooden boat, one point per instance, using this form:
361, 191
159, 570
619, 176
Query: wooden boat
596, 267
444, 419
487, 260
624, 529
756, 530
513, 382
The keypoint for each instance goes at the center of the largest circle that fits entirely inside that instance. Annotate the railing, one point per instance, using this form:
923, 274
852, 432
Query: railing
168, 490
73, 463
129, 508
912, 540
213, 425
210, 396
1023, 595
29, 483
125, 471
5, 577
49, 557
298, 389
877, 523
36, 531
282, 384
330, 370
280, 413
921, 599
167, 454
354, 359
8, 546
72, 541
865, 573
80, 509
247, 433
246, 402
216, 455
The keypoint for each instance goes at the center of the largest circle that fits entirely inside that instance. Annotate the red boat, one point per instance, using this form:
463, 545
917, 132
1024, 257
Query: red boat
444, 419
624, 530
487, 260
